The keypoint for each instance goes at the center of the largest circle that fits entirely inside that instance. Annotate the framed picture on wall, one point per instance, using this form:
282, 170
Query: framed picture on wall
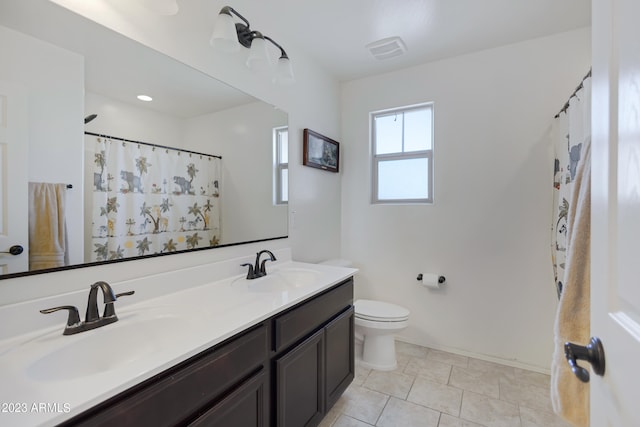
320, 152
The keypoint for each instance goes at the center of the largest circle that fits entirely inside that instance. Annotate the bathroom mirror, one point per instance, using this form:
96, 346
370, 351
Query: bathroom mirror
75, 70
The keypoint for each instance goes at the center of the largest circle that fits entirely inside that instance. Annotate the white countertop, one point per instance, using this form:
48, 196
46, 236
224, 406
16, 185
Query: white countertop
46, 378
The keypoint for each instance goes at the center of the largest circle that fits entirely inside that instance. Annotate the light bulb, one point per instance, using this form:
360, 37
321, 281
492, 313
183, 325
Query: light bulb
225, 37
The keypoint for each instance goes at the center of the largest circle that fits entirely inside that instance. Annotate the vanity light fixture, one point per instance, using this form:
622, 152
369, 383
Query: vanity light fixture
229, 35
145, 98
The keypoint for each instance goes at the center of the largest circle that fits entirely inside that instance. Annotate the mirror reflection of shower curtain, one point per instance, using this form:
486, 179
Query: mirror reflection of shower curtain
149, 200
568, 133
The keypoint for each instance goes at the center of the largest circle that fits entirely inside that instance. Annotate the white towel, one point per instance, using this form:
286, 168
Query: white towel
48, 247
570, 396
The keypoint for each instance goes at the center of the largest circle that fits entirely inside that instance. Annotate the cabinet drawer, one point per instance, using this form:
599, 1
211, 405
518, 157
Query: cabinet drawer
170, 398
245, 407
302, 320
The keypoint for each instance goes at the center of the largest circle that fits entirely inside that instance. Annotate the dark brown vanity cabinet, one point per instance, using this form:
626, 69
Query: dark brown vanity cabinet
312, 374
300, 374
339, 356
286, 371
220, 382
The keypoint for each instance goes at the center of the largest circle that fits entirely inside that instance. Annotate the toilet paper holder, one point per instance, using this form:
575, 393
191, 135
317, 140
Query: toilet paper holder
441, 279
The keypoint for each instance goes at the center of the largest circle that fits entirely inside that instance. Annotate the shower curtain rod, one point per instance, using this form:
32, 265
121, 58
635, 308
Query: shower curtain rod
580, 86
151, 145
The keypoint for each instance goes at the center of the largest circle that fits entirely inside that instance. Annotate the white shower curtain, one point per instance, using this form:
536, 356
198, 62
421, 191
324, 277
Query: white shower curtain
569, 131
149, 200
571, 250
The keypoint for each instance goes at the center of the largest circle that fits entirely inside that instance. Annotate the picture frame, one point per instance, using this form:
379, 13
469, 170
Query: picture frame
320, 151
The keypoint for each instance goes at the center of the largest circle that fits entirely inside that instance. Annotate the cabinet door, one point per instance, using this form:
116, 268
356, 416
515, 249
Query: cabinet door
300, 384
339, 356
246, 407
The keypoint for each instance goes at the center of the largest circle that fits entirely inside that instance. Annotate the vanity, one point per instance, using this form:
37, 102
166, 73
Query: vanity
274, 351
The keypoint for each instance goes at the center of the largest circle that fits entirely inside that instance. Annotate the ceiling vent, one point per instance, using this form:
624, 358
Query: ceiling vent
387, 48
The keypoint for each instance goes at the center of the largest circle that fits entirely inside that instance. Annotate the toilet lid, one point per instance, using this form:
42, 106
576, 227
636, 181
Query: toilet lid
378, 310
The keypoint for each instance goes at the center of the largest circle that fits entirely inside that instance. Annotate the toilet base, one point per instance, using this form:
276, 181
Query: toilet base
379, 352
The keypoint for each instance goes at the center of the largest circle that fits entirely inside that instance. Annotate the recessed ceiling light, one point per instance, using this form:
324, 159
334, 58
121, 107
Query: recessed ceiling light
145, 98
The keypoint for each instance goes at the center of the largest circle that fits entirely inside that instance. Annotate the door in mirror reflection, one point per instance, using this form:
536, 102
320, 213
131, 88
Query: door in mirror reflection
13, 177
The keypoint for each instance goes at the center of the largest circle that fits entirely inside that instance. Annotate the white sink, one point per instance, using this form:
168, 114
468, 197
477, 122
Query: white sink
280, 280
108, 347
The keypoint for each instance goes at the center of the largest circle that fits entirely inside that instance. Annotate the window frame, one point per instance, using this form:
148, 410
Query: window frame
376, 159
279, 166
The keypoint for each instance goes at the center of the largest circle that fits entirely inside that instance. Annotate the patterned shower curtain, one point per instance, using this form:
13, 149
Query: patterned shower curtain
149, 200
570, 129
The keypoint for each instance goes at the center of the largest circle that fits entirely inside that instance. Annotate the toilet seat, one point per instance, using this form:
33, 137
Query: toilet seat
378, 311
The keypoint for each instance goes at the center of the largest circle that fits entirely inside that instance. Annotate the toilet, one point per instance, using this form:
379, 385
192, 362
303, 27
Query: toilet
376, 323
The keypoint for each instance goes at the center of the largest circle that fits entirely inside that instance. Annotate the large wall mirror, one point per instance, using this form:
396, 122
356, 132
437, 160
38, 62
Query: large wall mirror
194, 168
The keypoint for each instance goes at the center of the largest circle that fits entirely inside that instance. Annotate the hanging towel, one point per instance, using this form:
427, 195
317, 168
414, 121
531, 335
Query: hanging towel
570, 396
48, 245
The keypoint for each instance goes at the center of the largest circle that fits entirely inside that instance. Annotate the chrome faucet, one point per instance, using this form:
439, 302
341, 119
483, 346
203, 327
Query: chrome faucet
92, 318
259, 269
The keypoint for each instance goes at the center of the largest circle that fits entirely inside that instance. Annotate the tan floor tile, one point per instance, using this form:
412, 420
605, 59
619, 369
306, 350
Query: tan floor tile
362, 404
449, 421
488, 411
448, 358
346, 421
402, 360
361, 374
536, 418
533, 378
433, 371
330, 417
436, 396
435, 388
476, 381
392, 383
402, 413
496, 369
526, 394
411, 350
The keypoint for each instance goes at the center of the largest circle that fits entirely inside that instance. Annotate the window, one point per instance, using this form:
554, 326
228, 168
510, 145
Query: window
281, 165
402, 155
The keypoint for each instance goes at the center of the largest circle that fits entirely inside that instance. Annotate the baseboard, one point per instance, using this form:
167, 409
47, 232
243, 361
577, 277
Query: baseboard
487, 358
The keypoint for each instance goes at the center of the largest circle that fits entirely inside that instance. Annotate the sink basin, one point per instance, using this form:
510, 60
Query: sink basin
107, 348
280, 280
298, 277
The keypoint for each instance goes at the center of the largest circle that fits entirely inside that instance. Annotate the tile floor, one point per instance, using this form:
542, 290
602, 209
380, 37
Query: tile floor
433, 388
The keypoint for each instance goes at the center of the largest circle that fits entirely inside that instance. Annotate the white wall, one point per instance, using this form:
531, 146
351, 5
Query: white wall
120, 119
55, 112
488, 231
243, 136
